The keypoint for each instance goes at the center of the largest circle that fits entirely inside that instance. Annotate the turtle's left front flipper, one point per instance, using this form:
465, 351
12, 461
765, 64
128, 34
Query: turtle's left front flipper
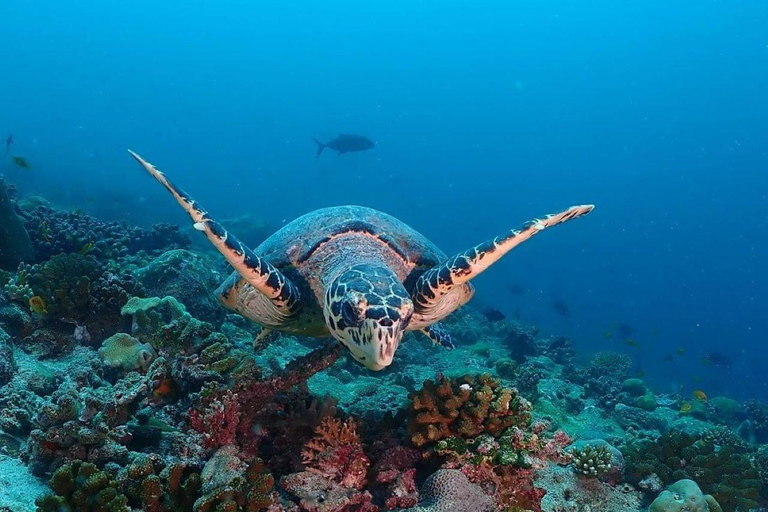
437, 282
258, 272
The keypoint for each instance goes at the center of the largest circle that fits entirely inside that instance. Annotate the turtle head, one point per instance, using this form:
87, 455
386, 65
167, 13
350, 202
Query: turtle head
367, 309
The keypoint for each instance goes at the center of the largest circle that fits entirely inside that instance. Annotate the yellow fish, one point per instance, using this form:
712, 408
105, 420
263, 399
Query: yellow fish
686, 407
700, 395
37, 305
88, 247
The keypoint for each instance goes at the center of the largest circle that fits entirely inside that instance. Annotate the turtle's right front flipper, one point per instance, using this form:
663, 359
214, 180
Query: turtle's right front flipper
258, 272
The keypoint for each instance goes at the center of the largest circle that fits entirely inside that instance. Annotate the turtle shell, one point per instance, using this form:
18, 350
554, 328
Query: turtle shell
320, 241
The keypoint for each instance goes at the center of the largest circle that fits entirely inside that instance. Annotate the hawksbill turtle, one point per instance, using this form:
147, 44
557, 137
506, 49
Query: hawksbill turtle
353, 273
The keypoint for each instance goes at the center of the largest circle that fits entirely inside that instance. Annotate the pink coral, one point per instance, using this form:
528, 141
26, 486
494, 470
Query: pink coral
395, 471
337, 453
218, 421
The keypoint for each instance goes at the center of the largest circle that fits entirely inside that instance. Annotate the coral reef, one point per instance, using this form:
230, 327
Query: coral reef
465, 407
62, 232
449, 490
82, 486
125, 382
189, 278
726, 472
231, 483
591, 460
684, 496
15, 244
337, 453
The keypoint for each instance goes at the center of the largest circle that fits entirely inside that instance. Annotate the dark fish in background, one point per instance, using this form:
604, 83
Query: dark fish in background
21, 162
624, 330
516, 289
345, 143
493, 315
561, 308
717, 359
8, 144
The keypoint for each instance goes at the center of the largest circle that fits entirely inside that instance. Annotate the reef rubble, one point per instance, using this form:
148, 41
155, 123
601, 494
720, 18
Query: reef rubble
123, 386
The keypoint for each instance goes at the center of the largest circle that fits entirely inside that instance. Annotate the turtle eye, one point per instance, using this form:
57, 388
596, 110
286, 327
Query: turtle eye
352, 311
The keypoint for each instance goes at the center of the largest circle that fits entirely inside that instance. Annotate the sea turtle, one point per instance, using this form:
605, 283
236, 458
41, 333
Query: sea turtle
353, 273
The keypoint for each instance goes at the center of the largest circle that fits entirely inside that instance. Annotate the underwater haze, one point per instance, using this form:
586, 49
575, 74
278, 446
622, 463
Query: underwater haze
484, 115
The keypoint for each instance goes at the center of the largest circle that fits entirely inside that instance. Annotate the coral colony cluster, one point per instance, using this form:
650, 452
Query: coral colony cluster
125, 386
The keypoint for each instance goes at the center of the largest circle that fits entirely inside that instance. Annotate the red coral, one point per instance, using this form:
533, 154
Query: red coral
218, 421
337, 453
229, 416
395, 471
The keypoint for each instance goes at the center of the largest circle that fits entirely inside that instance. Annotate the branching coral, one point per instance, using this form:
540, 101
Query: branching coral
337, 453
465, 407
591, 460
226, 416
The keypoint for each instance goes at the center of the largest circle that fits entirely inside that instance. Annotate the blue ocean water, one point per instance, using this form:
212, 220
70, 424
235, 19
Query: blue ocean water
485, 114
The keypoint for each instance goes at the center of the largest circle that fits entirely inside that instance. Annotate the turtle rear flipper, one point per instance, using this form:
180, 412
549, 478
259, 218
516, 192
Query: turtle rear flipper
258, 272
439, 281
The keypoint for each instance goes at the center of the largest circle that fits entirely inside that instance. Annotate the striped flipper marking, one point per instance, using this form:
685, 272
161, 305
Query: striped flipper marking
258, 272
439, 335
435, 283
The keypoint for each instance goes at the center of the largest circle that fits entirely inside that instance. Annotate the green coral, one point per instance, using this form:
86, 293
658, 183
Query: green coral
165, 324
64, 283
726, 472
82, 487
591, 460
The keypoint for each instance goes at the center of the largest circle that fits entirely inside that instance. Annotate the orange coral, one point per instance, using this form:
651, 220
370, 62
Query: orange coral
464, 407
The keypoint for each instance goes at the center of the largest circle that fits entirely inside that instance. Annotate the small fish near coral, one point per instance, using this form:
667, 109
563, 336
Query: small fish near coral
367, 307
345, 143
